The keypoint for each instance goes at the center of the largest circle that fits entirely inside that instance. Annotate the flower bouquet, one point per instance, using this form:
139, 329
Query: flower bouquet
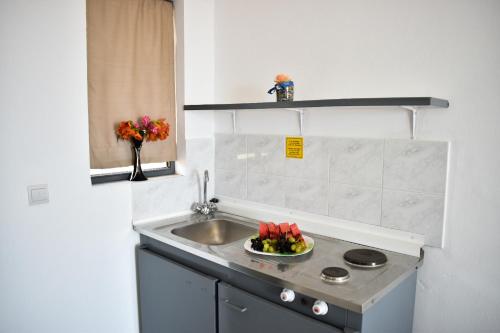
137, 132
283, 87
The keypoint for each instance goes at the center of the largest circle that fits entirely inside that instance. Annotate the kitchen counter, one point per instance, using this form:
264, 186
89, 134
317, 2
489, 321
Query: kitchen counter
302, 273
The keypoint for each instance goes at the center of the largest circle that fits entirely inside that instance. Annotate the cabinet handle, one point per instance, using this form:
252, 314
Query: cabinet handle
235, 307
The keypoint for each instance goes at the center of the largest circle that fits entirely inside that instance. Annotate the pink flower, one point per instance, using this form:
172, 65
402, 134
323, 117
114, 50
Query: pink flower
153, 128
145, 121
136, 124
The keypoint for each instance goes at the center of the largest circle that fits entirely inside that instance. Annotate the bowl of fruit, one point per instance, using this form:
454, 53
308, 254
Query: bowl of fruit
282, 239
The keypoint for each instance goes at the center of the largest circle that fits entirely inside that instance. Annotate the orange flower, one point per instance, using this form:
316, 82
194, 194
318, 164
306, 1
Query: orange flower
152, 136
160, 130
280, 78
124, 131
137, 136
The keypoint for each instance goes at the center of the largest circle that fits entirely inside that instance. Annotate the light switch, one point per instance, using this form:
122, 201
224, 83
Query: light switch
38, 194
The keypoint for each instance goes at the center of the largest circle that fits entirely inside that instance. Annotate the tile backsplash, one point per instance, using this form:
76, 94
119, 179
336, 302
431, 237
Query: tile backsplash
161, 196
398, 184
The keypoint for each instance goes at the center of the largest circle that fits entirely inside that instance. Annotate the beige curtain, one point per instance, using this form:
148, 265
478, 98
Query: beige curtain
130, 50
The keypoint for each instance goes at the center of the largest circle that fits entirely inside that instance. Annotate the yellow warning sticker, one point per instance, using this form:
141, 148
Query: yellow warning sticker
294, 147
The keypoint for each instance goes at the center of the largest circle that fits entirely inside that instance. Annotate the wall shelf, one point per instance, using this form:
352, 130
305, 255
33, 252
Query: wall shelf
417, 102
412, 104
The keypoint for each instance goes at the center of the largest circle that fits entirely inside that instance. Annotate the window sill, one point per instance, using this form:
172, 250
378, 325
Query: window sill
125, 176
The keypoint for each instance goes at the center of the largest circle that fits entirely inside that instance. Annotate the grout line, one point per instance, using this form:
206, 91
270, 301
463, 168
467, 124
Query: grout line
361, 186
246, 167
434, 194
331, 179
383, 174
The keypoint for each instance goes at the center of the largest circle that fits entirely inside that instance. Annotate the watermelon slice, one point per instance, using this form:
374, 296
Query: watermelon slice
263, 230
284, 229
295, 231
273, 230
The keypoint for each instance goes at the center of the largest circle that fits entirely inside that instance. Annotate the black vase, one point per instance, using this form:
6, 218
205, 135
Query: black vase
137, 174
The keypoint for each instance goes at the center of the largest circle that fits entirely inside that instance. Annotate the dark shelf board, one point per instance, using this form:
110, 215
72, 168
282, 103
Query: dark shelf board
418, 102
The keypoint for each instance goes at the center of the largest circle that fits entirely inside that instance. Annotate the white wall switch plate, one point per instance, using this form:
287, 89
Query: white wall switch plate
38, 194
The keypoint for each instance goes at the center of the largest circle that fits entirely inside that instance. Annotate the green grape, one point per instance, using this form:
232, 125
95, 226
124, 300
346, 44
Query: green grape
293, 247
266, 247
291, 240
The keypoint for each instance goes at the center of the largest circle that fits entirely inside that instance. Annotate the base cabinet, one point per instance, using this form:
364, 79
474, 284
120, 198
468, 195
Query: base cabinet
174, 298
242, 312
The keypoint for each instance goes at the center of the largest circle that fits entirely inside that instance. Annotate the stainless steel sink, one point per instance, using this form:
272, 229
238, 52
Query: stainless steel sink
215, 232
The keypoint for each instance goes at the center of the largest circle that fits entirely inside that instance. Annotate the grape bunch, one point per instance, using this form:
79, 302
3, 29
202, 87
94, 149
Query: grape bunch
280, 245
284, 245
257, 244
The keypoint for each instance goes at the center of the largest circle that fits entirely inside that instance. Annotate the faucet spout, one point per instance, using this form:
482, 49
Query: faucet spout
205, 208
205, 182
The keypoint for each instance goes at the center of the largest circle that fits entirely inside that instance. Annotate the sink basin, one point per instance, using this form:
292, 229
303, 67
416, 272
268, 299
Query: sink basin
215, 232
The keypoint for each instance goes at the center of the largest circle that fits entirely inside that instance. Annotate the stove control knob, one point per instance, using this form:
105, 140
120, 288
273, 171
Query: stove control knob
287, 295
320, 308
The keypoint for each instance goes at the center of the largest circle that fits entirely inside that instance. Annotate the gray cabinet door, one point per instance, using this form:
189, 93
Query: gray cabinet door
242, 312
174, 298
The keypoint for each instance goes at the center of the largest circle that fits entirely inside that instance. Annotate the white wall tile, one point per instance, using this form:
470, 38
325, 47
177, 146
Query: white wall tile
357, 161
154, 197
231, 183
314, 165
307, 195
266, 154
355, 203
266, 189
418, 213
415, 165
230, 152
200, 154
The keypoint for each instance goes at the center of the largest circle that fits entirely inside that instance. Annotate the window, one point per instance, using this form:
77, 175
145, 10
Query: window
130, 59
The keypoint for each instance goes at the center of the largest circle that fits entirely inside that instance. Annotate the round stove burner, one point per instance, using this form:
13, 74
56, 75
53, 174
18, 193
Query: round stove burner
365, 258
335, 275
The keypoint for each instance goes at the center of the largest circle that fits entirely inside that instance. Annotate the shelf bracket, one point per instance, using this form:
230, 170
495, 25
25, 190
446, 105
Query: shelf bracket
413, 120
233, 115
301, 119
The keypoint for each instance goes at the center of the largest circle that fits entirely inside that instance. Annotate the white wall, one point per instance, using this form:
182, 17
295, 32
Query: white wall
336, 49
199, 69
67, 266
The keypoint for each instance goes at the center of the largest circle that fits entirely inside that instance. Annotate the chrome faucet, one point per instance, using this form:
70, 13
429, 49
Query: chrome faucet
205, 208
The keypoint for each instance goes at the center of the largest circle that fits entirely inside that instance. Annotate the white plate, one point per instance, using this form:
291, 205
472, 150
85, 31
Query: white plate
309, 246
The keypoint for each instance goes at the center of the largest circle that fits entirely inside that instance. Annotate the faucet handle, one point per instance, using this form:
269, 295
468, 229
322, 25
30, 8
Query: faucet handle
212, 208
196, 207
212, 204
